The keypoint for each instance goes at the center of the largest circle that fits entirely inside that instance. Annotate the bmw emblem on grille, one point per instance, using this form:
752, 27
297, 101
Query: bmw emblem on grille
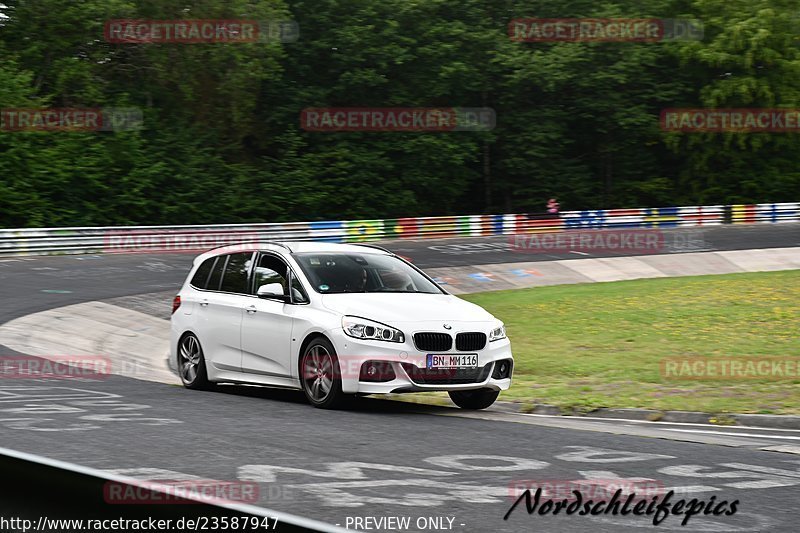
447, 326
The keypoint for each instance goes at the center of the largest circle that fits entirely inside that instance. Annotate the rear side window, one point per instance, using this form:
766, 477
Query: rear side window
235, 278
216, 273
200, 278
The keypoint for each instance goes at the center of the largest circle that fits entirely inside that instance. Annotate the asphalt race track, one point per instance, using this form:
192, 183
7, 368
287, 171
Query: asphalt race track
440, 468
500, 249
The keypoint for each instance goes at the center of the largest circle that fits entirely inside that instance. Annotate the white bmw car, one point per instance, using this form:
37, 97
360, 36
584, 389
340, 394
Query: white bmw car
333, 320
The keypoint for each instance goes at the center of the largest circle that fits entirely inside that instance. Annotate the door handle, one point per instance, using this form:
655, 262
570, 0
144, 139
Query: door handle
251, 308
203, 302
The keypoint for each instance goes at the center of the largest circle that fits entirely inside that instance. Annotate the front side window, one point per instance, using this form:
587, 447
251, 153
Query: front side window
270, 269
332, 273
236, 272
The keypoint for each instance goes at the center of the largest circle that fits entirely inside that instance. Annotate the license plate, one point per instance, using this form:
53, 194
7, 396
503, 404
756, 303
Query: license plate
452, 361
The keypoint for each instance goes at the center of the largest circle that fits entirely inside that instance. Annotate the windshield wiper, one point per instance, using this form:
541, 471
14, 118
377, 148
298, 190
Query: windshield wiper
399, 291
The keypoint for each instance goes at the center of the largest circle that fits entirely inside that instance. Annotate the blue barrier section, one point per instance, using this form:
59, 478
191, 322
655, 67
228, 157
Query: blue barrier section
497, 224
328, 231
585, 219
778, 212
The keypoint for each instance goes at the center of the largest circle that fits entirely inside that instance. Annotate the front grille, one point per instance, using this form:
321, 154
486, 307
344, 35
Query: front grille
470, 342
433, 342
446, 376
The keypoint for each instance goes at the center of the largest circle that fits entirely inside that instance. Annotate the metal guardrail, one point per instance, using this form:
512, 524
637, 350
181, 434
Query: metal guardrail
761, 213
132, 239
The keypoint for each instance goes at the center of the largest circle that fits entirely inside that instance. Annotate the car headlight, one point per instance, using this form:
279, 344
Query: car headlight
361, 328
497, 333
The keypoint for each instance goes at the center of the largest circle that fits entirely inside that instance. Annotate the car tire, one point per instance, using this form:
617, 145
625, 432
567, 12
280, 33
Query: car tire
192, 364
474, 399
320, 375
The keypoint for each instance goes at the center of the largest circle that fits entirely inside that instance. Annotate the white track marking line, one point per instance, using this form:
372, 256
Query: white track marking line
763, 469
756, 435
648, 422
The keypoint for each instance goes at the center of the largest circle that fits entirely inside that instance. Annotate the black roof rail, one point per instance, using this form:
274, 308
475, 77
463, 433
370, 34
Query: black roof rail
375, 246
282, 245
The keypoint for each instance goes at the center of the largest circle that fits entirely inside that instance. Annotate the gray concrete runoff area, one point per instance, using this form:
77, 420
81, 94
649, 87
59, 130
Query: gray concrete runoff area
434, 464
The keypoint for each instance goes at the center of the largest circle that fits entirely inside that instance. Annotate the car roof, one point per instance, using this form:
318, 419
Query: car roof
294, 247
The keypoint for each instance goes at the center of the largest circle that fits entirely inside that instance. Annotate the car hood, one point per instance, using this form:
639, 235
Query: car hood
396, 308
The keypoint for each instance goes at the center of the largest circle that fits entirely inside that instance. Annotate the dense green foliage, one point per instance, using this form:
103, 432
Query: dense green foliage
222, 140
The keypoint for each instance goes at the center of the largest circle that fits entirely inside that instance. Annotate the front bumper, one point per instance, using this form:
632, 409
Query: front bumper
408, 363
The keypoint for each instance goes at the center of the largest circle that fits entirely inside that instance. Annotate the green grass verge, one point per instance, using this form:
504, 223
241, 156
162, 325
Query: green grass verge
601, 344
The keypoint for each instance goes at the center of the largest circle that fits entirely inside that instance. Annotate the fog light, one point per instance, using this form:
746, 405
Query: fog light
377, 372
502, 369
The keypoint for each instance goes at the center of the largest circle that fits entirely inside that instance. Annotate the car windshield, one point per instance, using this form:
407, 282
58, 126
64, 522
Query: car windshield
337, 273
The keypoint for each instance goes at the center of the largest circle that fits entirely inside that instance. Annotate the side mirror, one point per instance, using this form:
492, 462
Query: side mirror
272, 291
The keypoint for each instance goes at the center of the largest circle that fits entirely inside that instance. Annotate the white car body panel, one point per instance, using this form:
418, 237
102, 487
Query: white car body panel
218, 322
266, 337
247, 339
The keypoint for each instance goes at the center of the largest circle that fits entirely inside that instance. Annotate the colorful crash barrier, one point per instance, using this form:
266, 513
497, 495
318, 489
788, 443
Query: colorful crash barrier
770, 213
483, 225
189, 238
